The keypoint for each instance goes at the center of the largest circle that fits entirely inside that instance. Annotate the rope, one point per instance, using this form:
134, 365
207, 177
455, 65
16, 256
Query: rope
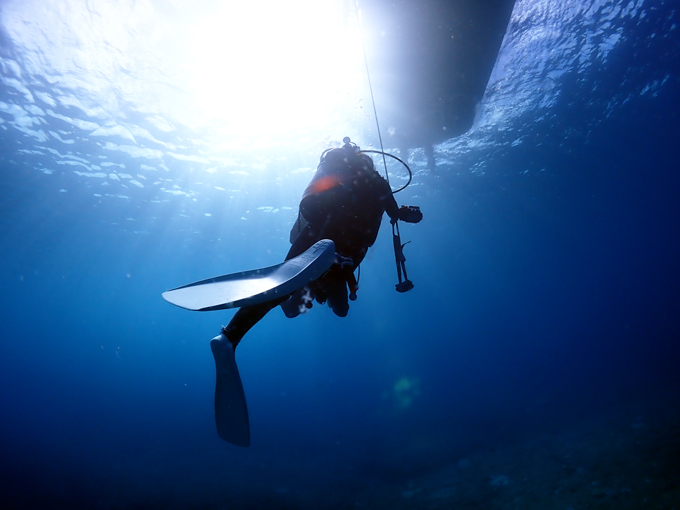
404, 285
370, 86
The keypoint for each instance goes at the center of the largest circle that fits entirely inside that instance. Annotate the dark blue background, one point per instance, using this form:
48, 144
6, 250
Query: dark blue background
546, 297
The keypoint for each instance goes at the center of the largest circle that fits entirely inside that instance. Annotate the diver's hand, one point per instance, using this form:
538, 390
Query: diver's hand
410, 214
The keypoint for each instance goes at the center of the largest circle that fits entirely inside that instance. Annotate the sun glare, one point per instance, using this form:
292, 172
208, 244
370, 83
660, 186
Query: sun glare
243, 74
267, 67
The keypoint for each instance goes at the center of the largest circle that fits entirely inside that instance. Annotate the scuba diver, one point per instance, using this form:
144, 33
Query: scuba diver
344, 203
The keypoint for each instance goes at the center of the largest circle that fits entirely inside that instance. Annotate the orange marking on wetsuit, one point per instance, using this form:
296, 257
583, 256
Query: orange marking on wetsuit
325, 183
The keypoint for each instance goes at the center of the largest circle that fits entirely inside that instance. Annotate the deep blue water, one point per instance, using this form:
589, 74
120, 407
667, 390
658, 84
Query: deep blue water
535, 364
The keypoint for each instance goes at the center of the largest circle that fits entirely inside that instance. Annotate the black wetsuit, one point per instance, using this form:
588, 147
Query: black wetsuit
344, 202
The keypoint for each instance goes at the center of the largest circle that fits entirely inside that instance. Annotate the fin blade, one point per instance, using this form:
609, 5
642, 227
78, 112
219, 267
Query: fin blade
231, 411
256, 286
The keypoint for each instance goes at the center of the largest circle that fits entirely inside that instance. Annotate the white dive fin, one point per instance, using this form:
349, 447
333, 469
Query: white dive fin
256, 286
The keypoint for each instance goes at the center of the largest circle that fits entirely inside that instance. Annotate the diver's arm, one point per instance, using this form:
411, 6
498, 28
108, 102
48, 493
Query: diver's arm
409, 214
391, 207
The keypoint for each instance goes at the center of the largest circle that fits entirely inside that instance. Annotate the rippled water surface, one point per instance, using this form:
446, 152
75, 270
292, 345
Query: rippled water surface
148, 144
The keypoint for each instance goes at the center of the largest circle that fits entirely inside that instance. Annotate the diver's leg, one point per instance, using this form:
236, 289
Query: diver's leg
231, 412
246, 317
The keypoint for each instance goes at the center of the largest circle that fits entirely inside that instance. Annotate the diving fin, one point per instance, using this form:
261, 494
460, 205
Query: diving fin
256, 286
231, 411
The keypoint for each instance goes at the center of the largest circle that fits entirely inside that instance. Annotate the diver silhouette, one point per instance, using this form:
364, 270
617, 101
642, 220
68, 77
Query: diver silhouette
344, 202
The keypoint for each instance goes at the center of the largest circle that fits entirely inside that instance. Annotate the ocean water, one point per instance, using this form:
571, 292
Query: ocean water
534, 364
